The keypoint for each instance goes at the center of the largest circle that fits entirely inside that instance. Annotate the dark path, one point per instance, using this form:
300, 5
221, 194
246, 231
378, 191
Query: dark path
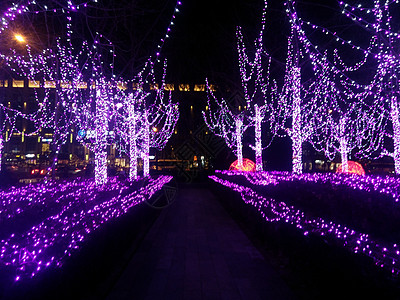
196, 251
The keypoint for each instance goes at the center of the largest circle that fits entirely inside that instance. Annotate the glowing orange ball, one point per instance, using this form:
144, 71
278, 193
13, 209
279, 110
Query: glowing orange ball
248, 166
354, 168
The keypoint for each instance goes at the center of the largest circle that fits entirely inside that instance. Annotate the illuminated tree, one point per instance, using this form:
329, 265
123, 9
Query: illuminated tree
340, 123
95, 112
226, 123
59, 72
335, 117
159, 117
127, 126
298, 105
260, 95
379, 97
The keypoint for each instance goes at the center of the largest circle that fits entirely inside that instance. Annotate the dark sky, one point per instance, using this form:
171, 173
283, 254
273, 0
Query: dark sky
203, 41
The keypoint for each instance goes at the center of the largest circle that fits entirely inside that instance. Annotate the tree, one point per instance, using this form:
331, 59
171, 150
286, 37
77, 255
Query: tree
95, 112
127, 126
299, 106
60, 72
230, 123
379, 97
159, 117
259, 94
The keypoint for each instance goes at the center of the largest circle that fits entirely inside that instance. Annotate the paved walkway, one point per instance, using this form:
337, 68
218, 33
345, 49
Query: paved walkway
195, 250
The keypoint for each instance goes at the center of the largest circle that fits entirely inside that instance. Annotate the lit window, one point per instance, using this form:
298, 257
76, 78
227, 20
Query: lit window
18, 83
50, 84
199, 87
169, 87
184, 88
3, 83
153, 86
34, 84
122, 85
213, 87
82, 85
65, 84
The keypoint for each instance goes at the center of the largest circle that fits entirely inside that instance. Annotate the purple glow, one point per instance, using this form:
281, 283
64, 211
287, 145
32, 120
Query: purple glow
296, 133
82, 210
385, 255
257, 130
394, 114
238, 136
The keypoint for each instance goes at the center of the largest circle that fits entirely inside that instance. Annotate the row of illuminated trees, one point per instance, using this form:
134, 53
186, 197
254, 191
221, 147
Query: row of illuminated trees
142, 120
329, 109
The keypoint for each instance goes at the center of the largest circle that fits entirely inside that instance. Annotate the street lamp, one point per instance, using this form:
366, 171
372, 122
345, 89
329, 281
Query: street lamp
19, 38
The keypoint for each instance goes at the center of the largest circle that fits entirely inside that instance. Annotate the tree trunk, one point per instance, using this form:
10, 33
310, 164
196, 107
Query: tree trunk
258, 146
100, 173
296, 135
239, 150
101, 125
394, 113
146, 149
132, 147
343, 146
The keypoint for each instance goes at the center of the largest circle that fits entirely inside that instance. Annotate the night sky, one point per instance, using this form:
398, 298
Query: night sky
202, 42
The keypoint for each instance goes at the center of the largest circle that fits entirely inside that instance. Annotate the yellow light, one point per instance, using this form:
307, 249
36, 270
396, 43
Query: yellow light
155, 129
19, 38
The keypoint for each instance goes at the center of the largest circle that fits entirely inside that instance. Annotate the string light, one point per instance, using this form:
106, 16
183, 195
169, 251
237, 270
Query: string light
375, 117
259, 95
384, 254
77, 209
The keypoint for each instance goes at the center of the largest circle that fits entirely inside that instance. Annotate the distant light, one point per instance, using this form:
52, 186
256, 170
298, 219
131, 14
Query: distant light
155, 129
19, 38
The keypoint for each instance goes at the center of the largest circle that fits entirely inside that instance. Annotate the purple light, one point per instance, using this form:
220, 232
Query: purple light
385, 255
82, 209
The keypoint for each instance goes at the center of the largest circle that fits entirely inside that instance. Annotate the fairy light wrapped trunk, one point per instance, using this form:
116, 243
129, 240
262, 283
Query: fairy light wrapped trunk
378, 98
231, 123
101, 130
225, 123
133, 148
160, 120
128, 126
296, 133
258, 144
